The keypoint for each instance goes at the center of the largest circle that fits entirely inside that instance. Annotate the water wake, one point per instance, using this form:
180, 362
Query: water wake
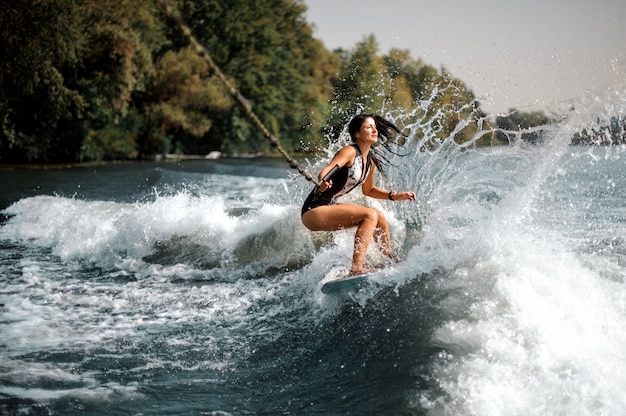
509, 300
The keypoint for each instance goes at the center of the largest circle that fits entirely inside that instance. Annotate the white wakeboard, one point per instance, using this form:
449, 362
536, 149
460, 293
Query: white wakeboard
340, 281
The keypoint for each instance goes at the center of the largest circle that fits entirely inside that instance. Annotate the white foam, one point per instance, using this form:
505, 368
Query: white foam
101, 232
531, 322
536, 330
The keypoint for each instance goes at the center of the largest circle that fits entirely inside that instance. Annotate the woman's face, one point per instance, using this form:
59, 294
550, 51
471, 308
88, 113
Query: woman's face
368, 133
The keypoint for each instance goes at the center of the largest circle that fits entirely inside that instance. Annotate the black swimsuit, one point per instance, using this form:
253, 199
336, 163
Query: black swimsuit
345, 180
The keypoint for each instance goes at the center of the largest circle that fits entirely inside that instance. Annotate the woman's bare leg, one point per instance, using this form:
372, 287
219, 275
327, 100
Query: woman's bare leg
362, 239
369, 222
381, 236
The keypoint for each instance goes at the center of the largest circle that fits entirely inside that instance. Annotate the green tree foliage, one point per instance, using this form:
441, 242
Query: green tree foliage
116, 70
85, 80
397, 83
67, 84
183, 100
603, 132
403, 71
267, 47
41, 41
110, 79
519, 125
361, 84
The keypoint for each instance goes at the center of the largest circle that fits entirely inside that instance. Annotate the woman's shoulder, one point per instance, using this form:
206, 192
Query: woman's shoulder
346, 153
350, 150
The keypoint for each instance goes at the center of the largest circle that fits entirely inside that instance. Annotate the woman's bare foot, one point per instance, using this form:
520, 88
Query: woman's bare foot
356, 272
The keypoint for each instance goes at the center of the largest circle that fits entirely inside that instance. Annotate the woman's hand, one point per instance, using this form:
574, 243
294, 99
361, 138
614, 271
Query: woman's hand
403, 196
324, 185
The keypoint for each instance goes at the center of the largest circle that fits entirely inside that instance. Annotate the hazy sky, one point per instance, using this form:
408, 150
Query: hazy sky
524, 53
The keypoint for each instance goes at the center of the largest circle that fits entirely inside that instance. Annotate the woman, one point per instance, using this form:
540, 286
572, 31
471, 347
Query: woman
357, 164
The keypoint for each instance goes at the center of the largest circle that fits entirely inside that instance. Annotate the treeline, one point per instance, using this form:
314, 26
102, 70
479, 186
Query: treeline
114, 79
604, 133
522, 126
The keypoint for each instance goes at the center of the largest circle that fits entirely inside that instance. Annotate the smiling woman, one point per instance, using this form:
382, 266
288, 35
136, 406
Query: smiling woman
356, 165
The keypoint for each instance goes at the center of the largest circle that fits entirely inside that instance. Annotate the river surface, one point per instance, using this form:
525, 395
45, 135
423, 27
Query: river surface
192, 288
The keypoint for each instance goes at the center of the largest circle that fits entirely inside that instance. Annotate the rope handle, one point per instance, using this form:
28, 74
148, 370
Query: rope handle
241, 101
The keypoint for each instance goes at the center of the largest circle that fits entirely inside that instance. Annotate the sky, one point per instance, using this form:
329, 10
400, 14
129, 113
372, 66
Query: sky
524, 54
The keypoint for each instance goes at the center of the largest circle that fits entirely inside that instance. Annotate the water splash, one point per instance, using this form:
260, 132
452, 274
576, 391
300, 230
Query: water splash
510, 300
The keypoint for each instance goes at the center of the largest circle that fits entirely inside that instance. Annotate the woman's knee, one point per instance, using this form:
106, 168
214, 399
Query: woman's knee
381, 220
372, 216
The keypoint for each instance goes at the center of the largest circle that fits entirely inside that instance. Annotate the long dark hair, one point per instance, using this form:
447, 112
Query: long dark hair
387, 136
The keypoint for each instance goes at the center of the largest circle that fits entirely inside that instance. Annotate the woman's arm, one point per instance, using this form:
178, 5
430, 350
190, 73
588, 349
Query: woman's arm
370, 190
344, 157
375, 192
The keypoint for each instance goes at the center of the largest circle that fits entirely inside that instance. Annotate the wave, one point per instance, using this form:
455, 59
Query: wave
509, 298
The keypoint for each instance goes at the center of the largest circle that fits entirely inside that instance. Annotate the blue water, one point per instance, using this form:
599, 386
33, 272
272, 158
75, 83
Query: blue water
191, 288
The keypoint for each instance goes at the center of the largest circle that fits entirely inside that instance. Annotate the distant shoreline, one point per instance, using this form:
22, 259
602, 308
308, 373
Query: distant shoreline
168, 157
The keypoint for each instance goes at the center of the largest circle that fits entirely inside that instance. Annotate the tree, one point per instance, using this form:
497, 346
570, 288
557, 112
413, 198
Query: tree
268, 49
518, 125
396, 83
117, 66
70, 73
402, 70
41, 42
113, 79
182, 99
362, 83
